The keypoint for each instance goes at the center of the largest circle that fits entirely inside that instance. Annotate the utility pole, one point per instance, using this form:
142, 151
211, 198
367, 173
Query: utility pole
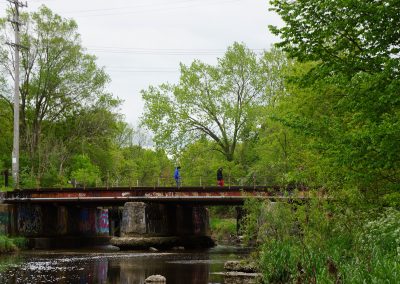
15, 154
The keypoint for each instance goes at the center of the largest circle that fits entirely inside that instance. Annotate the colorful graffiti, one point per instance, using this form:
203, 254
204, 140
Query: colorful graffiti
102, 222
29, 220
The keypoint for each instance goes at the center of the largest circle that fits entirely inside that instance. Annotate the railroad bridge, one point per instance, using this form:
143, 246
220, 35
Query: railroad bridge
128, 217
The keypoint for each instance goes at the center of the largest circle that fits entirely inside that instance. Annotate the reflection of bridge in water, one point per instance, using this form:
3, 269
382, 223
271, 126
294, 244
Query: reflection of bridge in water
210, 195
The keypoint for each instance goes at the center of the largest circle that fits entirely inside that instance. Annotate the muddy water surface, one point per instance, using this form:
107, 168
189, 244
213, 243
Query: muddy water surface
106, 265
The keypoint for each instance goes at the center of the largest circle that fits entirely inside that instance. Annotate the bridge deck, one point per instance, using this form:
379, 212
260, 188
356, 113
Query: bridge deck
120, 195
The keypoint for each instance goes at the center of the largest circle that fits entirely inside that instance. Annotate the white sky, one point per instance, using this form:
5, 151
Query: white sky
142, 42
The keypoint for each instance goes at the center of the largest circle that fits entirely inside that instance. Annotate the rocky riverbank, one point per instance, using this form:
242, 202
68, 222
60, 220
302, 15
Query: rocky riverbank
241, 272
126, 243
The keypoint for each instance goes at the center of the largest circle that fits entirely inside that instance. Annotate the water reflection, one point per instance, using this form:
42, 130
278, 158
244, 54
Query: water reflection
116, 267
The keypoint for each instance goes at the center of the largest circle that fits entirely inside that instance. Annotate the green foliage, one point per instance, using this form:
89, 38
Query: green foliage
223, 223
223, 229
354, 35
6, 131
383, 233
11, 244
347, 102
324, 242
392, 199
220, 102
199, 164
62, 96
251, 223
84, 171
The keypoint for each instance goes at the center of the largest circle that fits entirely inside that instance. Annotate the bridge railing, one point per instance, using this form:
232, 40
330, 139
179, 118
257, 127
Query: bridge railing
169, 181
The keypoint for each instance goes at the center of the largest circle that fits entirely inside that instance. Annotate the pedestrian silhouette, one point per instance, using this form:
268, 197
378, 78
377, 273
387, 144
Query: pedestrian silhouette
220, 177
177, 176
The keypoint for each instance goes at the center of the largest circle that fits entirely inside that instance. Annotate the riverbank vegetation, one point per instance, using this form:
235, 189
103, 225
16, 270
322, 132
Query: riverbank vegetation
320, 110
342, 103
223, 224
8, 244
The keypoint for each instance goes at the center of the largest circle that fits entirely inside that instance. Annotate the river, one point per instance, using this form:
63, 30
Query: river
106, 265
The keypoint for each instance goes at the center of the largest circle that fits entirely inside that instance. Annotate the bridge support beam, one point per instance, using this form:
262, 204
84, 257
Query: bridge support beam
61, 226
161, 225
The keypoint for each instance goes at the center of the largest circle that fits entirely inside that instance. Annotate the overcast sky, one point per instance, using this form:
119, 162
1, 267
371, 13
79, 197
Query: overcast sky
142, 42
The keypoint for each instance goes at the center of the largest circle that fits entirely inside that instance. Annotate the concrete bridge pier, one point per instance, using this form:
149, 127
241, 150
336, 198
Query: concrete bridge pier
157, 225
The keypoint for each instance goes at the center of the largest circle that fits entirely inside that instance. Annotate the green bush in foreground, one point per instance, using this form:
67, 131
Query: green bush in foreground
326, 243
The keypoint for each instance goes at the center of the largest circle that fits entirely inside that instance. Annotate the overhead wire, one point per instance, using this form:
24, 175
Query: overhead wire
150, 51
160, 51
199, 4
127, 7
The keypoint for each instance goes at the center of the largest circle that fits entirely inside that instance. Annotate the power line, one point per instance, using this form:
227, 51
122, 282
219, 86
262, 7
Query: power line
160, 9
162, 51
126, 7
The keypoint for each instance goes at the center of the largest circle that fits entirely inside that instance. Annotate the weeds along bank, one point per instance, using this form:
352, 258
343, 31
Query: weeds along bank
8, 244
325, 242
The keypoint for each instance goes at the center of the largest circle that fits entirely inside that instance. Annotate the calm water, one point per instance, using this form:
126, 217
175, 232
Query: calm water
105, 266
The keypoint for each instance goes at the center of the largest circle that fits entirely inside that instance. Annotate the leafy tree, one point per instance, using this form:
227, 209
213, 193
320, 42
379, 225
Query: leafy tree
140, 166
6, 127
221, 102
349, 36
59, 78
84, 171
348, 100
200, 163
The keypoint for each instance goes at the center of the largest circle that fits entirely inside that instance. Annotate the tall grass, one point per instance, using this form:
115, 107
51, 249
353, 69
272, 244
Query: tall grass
11, 244
323, 242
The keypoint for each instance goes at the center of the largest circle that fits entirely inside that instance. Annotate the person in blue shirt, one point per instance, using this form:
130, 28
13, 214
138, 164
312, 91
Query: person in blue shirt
177, 176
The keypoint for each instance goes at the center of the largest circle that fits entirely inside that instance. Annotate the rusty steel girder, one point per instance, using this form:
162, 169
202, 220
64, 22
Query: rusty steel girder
119, 195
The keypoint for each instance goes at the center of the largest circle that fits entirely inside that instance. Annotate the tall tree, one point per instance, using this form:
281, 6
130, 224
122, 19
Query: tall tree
221, 102
349, 99
59, 78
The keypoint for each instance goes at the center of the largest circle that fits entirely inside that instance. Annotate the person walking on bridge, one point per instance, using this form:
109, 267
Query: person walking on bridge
220, 177
177, 176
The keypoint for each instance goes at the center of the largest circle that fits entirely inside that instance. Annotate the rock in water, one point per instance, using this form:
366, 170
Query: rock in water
240, 266
155, 279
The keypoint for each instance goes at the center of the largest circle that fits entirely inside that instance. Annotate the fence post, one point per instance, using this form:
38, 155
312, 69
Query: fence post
108, 179
254, 181
137, 183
